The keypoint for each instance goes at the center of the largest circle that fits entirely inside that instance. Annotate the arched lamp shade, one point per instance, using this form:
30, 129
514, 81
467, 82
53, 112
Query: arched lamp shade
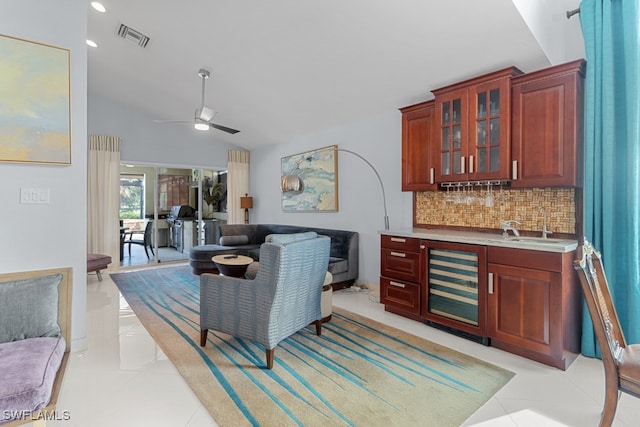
292, 185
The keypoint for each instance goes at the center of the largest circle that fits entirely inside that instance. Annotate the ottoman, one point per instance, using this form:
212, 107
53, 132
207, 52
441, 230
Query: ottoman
326, 301
97, 262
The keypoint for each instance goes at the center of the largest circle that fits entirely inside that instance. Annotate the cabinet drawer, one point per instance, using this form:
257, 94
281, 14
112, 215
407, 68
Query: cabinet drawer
408, 244
400, 295
400, 265
538, 260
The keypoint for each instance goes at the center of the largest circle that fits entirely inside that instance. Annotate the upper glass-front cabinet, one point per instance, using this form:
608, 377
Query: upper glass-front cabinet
489, 138
474, 125
452, 111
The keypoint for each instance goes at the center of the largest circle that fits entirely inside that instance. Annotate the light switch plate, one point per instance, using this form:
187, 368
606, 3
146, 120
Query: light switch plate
34, 196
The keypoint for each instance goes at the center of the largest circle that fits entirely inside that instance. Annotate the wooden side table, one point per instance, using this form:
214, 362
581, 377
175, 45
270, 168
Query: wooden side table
232, 265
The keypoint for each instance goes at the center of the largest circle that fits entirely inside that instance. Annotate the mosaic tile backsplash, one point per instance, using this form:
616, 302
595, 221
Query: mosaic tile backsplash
482, 208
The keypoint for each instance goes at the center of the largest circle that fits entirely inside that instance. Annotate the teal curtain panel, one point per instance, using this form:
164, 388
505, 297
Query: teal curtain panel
612, 155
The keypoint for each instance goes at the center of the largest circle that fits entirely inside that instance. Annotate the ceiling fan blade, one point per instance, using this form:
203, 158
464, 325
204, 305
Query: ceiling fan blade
173, 121
223, 128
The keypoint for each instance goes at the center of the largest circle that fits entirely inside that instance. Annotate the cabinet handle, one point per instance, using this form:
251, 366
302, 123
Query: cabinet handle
398, 254
514, 170
398, 239
432, 175
396, 284
490, 283
470, 164
462, 164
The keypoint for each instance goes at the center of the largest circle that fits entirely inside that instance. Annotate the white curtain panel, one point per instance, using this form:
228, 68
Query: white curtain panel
103, 228
237, 184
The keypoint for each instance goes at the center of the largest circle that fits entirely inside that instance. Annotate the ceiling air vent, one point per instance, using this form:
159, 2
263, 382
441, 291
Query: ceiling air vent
133, 36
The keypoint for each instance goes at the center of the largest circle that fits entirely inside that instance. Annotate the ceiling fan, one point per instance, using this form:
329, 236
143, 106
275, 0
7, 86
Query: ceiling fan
204, 114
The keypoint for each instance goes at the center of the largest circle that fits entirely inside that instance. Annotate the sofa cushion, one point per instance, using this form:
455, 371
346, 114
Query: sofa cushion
337, 265
29, 308
27, 372
281, 239
240, 239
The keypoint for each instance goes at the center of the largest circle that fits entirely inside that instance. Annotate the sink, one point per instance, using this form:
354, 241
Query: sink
538, 240
523, 242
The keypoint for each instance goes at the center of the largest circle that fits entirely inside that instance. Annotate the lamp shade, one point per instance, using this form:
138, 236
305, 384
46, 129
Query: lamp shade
246, 202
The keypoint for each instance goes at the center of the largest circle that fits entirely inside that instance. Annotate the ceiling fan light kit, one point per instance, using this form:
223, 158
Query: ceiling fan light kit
204, 114
201, 124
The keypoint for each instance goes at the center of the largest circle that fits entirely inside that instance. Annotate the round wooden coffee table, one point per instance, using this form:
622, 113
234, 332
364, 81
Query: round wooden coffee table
232, 265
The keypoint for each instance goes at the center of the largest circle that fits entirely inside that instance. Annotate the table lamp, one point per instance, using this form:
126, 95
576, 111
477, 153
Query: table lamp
246, 203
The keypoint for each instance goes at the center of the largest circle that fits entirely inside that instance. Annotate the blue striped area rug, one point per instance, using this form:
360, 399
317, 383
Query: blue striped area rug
358, 372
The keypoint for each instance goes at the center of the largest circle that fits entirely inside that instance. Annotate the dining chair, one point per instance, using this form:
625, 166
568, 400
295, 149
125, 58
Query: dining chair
621, 361
145, 240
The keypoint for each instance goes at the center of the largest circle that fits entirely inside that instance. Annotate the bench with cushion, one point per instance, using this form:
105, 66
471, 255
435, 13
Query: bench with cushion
97, 262
245, 239
35, 320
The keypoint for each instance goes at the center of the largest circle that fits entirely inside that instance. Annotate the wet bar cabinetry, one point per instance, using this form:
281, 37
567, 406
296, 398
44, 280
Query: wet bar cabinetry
500, 126
533, 305
547, 120
418, 154
473, 127
523, 301
400, 270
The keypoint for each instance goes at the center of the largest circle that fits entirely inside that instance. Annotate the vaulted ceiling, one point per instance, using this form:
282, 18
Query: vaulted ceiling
285, 68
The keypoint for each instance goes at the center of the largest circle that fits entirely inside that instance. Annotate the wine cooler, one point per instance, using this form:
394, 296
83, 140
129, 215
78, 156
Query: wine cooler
456, 288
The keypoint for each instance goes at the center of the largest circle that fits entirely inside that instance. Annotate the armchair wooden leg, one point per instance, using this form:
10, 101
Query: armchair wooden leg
203, 337
318, 324
270, 357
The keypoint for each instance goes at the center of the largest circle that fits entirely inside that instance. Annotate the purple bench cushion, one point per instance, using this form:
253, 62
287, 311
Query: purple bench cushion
27, 372
97, 262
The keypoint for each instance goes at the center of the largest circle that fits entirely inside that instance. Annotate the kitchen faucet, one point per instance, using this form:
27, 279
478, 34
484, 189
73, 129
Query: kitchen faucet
510, 225
545, 232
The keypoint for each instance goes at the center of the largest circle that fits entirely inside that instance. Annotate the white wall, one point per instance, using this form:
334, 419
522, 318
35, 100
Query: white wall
559, 37
146, 142
51, 236
360, 198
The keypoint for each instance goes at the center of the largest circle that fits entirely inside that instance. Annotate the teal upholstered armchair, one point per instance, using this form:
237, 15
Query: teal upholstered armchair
283, 298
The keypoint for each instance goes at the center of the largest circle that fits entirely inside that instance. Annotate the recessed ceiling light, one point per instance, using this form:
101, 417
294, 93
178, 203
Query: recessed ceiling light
92, 43
98, 6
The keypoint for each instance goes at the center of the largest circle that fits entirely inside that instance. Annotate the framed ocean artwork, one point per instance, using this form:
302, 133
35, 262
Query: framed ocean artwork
310, 181
35, 102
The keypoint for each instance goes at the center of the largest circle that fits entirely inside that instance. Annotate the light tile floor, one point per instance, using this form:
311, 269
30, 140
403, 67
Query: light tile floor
124, 379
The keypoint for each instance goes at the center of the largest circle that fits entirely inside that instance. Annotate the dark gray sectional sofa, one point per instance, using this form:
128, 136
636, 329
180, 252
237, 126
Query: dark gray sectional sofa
245, 239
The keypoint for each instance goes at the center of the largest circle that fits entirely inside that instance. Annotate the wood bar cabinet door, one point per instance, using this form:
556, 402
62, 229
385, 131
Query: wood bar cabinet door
418, 163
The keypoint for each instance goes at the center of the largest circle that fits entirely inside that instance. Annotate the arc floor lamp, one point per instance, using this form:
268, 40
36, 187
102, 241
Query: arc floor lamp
293, 184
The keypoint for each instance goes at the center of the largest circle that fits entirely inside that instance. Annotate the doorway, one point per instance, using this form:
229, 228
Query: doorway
150, 193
